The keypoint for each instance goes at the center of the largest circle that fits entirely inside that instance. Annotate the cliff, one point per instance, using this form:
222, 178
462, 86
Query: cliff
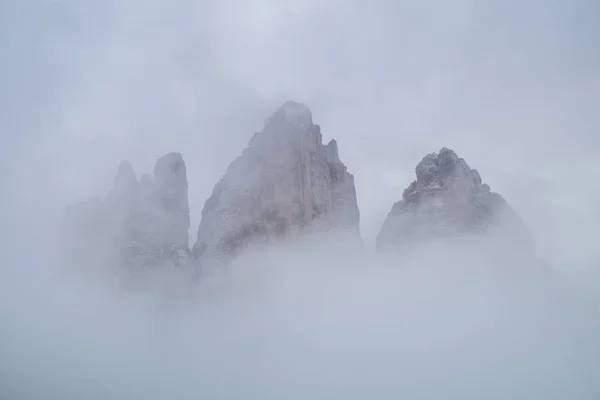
142, 223
285, 183
448, 200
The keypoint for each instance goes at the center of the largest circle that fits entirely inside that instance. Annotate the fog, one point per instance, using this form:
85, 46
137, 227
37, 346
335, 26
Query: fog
512, 87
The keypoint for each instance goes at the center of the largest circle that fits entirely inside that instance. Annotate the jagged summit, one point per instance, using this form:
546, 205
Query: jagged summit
286, 182
125, 175
448, 198
170, 192
143, 224
332, 150
170, 164
291, 117
293, 111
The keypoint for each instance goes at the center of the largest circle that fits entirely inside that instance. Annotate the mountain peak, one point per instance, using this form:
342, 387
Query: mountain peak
437, 167
125, 175
285, 183
448, 199
291, 113
293, 108
136, 224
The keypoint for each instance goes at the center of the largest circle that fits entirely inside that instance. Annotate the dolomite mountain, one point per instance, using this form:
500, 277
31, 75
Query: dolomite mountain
141, 223
285, 183
449, 200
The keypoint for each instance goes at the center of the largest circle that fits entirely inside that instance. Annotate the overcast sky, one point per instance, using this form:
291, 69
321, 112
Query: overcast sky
512, 86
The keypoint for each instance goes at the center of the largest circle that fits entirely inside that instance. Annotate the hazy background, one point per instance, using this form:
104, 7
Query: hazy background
511, 86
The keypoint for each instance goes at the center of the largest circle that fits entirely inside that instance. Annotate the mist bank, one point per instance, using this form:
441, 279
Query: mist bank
285, 186
452, 303
511, 86
303, 320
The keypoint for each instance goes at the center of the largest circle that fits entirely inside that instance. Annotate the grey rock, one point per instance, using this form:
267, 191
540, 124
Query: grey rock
345, 213
125, 176
285, 183
138, 224
449, 200
171, 196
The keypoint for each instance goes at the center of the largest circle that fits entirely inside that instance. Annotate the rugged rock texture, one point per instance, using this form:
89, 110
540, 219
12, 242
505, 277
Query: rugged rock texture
168, 195
286, 182
449, 200
141, 224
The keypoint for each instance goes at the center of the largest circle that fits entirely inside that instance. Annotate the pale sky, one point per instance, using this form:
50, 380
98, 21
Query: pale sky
512, 86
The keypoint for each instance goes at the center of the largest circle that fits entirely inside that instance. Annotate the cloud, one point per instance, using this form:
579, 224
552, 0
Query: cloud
511, 86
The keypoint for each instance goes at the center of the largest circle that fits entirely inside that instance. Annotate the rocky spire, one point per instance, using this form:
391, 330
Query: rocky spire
343, 192
171, 195
449, 199
141, 224
125, 175
286, 182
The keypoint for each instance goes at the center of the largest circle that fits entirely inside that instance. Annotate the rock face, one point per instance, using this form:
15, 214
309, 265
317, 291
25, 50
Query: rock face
449, 200
286, 182
142, 223
168, 195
